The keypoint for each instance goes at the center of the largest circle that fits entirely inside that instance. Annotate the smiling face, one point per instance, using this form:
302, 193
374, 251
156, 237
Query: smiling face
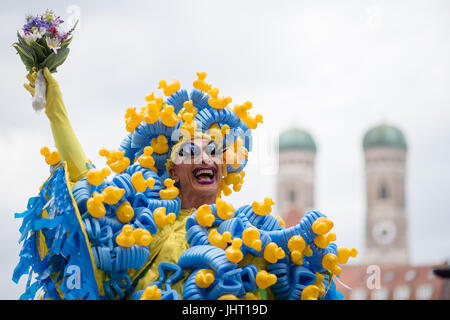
198, 170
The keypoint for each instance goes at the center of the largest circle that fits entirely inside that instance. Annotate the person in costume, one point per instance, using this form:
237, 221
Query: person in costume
159, 228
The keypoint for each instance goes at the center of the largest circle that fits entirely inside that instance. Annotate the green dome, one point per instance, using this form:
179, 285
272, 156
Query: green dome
296, 139
384, 136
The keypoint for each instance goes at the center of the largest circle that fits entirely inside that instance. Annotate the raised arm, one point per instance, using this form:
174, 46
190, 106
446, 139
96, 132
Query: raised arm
66, 141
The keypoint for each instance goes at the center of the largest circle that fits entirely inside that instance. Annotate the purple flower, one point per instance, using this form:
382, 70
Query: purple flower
37, 22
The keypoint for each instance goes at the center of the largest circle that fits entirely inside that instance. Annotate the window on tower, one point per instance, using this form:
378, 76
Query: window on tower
292, 196
383, 192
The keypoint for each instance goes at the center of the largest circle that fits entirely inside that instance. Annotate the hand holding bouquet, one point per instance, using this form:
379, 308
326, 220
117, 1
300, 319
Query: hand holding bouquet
43, 43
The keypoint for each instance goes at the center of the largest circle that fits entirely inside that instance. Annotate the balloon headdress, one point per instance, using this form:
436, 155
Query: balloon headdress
164, 125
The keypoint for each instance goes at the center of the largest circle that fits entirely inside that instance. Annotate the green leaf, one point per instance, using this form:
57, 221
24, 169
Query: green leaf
39, 51
20, 49
47, 61
44, 44
66, 43
55, 60
25, 47
21, 40
26, 59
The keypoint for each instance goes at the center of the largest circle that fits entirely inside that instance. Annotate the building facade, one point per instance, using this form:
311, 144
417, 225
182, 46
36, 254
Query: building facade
385, 151
295, 184
385, 272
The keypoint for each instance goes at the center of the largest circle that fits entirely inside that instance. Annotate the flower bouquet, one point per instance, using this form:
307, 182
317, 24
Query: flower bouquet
43, 42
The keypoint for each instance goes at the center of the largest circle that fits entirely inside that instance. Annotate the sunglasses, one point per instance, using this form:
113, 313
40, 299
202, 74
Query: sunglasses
191, 151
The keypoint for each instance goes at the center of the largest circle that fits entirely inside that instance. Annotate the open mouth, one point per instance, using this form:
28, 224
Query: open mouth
204, 175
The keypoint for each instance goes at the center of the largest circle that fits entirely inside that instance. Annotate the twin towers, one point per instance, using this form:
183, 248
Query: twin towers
385, 151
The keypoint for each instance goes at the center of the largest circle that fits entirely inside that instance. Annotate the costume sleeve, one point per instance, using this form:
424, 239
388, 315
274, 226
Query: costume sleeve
56, 252
66, 141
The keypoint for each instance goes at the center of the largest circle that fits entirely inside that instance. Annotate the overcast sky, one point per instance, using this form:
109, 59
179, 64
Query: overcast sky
334, 68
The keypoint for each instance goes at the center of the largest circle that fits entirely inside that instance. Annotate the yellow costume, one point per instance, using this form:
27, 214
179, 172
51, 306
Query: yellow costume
127, 231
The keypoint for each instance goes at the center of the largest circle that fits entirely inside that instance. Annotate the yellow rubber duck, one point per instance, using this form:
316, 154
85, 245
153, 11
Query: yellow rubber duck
225, 210
169, 89
170, 192
234, 178
265, 279
51, 158
142, 237
251, 238
242, 113
236, 154
311, 292
161, 219
216, 102
153, 108
151, 293
233, 252
160, 144
219, 240
158, 100
329, 262
297, 245
132, 119
263, 208
146, 160
112, 194
125, 212
344, 254
241, 110
204, 216
200, 83
189, 126
237, 188
322, 241
322, 225
204, 278
168, 116
223, 188
126, 238
96, 177
116, 160
139, 183
272, 252
189, 107
151, 112
95, 205
252, 123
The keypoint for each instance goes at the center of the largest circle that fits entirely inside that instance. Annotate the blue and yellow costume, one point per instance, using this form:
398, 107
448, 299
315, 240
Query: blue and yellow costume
88, 237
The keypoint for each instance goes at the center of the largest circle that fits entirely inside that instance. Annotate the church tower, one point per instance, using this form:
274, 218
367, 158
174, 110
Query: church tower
385, 151
295, 185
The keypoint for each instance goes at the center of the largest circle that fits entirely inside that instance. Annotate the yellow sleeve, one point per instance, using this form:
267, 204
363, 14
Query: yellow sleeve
66, 141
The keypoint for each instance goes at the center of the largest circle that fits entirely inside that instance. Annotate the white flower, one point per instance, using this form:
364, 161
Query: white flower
35, 35
53, 43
